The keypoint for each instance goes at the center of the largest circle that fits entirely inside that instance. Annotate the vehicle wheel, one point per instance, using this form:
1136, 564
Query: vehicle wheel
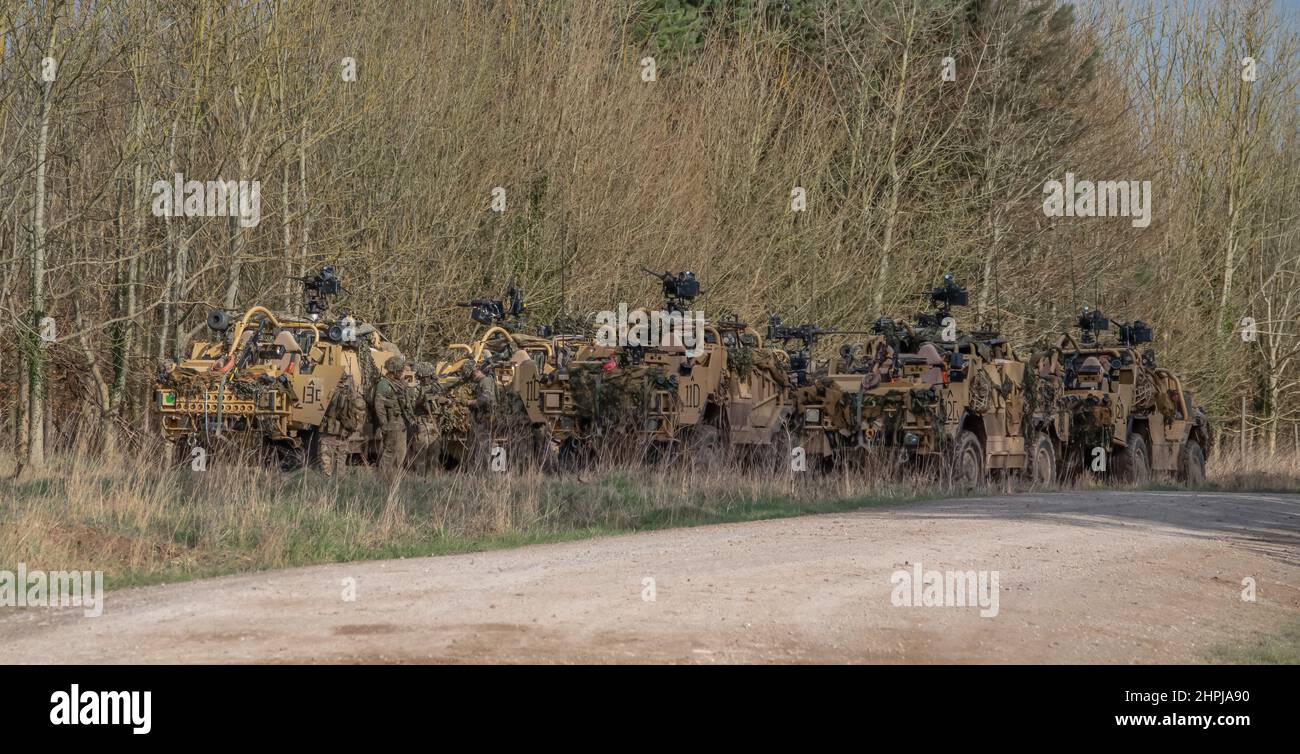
1133, 464
1191, 464
968, 459
1041, 469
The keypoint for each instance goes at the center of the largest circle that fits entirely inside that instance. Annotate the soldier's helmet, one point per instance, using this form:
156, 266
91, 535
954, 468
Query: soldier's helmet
395, 364
423, 370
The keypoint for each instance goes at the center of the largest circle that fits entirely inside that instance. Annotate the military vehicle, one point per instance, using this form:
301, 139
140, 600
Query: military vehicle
265, 380
515, 359
1126, 415
662, 393
937, 395
817, 422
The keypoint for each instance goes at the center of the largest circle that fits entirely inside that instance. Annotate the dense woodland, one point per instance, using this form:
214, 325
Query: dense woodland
378, 130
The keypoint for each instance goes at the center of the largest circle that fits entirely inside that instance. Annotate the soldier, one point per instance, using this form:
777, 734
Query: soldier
425, 448
344, 416
392, 415
481, 409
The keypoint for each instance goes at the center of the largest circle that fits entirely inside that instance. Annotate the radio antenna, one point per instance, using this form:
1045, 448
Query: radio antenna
997, 292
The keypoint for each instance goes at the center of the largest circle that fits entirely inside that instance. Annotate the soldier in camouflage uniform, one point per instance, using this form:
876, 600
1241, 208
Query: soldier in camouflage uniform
481, 408
426, 448
392, 416
344, 416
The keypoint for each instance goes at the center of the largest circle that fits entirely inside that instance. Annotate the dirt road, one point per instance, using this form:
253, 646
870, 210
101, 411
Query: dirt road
1111, 577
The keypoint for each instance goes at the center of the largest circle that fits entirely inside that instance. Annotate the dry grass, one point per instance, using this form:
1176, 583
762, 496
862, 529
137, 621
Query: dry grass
1230, 470
142, 522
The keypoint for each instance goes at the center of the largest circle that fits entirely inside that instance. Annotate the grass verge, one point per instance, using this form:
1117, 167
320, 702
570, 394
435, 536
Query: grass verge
1281, 648
143, 523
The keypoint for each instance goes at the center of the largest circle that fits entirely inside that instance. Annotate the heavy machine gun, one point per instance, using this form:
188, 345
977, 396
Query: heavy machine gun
942, 300
807, 335
496, 312
679, 289
319, 290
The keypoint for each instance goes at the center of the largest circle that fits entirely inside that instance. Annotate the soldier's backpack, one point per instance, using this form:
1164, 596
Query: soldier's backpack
347, 407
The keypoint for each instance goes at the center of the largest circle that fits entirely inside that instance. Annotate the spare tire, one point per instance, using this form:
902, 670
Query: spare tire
218, 320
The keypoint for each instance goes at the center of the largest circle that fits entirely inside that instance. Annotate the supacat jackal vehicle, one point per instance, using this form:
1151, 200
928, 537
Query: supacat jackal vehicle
1117, 400
938, 394
516, 360
656, 389
267, 379
817, 420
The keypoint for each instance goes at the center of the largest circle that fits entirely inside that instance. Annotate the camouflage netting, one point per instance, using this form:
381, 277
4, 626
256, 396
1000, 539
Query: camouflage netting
981, 391
1144, 390
189, 383
617, 399
740, 358
369, 372
743, 360
1040, 396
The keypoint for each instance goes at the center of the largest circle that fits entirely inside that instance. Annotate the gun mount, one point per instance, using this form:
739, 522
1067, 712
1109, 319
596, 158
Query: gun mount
496, 312
679, 289
807, 335
942, 300
1135, 333
1091, 323
319, 290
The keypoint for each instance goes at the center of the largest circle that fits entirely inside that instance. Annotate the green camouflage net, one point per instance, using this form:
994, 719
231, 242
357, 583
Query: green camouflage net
612, 400
741, 359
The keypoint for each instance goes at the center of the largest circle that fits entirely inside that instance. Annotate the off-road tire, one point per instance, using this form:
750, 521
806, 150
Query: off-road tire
968, 460
1040, 468
1191, 464
1133, 463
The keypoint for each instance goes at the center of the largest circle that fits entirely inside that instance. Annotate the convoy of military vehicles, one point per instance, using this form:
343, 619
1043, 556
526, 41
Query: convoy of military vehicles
308, 389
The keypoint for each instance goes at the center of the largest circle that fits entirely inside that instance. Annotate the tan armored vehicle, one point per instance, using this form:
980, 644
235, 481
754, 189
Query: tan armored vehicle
964, 402
1126, 417
518, 363
265, 380
709, 392
817, 421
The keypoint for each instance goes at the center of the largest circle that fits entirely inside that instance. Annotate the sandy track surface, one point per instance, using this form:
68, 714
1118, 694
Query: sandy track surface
1085, 576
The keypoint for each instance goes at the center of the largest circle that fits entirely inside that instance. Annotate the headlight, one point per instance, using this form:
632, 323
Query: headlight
911, 440
812, 416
